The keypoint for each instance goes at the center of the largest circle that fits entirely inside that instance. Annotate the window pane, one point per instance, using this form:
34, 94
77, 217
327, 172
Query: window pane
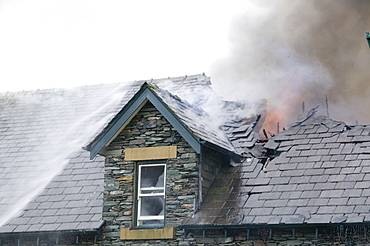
151, 222
152, 176
152, 205
151, 191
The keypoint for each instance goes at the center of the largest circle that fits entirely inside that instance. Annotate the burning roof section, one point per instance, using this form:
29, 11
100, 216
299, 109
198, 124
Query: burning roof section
318, 172
48, 182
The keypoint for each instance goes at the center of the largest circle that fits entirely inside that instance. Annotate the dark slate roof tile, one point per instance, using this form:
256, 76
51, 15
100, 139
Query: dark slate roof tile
339, 219
318, 202
33, 212
50, 227
362, 209
66, 218
261, 219
307, 211
48, 212
279, 180
331, 193
344, 185
292, 173
300, 219
48, 219
314, 171
35, 220
274, 220
310, 194
287, 187
69, 226
357, 201
35, 227
355, 219
21, 228
309, 152
284, 210
362, 184
306, 165
291, 194
324, 186
355, 177
319, 178
320, 219
352, 193
337, 178
305, 186
332, 171
276, 203
84, 218
89, 225
59, 204
298, 202
350, 158
326, 210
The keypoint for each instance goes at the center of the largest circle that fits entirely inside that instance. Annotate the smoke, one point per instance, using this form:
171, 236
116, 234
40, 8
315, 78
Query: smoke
291, 52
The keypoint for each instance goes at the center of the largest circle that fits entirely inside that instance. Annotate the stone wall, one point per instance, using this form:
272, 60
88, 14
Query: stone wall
147, 129
212, 161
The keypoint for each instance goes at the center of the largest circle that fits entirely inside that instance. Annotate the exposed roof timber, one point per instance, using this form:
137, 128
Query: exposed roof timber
129, 111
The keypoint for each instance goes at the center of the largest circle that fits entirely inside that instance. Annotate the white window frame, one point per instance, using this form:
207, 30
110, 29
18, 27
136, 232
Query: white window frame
140, 195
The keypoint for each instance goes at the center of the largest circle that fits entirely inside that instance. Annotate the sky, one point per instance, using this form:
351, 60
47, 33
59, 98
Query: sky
288, 52
66, 43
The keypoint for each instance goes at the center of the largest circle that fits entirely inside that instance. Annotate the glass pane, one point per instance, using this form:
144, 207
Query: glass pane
152, 205
152, 176
151, 191
151, 222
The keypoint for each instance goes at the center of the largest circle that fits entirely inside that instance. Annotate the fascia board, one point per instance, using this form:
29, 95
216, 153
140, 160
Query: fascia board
130, 110
123, 117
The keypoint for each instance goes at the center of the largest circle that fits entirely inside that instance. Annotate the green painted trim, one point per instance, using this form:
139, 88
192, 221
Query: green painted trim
136, 188
96, 146
128, 112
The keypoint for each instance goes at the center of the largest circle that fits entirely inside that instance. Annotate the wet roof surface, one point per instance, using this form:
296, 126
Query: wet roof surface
48, 182
321, 175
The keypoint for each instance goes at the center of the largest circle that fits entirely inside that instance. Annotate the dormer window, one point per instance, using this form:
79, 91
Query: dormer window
151, 187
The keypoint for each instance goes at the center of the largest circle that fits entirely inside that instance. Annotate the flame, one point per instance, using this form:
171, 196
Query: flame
275, 118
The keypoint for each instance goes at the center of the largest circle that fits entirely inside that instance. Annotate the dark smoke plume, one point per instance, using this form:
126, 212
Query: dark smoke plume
294, 51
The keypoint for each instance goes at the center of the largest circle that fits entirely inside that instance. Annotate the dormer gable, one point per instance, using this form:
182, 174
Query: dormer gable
146, 94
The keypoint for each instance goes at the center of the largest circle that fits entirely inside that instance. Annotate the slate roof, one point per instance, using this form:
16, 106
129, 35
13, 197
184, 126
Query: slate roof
48, 182
42, 165
229, 125
318, 173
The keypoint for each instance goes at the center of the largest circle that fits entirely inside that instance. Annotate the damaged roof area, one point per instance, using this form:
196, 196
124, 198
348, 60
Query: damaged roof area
317, 172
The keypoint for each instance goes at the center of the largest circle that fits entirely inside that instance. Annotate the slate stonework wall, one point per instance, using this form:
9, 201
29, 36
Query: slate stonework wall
148, 129
212, 161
